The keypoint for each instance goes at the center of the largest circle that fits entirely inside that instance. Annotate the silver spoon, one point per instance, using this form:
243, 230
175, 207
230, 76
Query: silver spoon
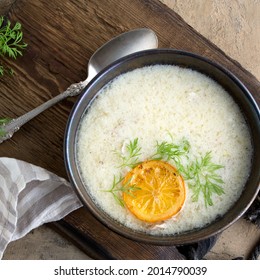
120, 46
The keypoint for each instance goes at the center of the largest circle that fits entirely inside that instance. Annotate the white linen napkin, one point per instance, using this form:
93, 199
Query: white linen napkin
29, 197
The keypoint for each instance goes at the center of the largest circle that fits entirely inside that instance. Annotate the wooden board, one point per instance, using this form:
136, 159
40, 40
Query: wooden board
62, 35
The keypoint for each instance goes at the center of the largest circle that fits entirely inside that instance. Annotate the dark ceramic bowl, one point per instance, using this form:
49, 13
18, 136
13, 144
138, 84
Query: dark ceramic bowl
184, 59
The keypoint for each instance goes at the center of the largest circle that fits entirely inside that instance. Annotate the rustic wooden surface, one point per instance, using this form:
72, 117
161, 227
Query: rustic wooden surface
62, 35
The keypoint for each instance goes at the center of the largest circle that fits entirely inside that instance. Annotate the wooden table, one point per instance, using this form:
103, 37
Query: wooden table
62, 35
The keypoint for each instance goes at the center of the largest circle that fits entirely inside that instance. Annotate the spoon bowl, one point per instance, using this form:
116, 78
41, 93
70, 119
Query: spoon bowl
120, 46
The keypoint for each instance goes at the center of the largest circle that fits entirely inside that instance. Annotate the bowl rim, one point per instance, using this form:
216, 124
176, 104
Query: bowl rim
104, 218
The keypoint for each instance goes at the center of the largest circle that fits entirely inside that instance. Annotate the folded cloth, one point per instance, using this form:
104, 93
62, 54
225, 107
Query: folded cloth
29, 197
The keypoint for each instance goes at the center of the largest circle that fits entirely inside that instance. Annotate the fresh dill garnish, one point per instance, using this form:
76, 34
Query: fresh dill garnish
3, 122
202, 178
167, 151
133, 152
172, 151
200, 173
128, 160
11, 42
118, 188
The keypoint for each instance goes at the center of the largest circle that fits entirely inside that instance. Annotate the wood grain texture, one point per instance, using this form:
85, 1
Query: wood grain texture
5, 6
62, 35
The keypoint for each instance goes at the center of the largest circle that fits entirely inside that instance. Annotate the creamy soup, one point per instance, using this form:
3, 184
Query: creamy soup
164, 103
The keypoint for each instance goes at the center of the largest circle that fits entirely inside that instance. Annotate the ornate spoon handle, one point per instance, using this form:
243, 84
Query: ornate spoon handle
14, 125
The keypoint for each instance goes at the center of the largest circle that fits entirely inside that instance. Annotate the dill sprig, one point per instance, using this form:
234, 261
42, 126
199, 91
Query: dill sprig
118, 188
200, 173
203, 179
11, 42
172, 151
133, 152
167, 151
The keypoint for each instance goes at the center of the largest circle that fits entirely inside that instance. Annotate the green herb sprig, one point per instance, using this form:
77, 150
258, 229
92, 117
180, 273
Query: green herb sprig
133, 152
11, 42
202, 177
118, 188
172, 151
200, 173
